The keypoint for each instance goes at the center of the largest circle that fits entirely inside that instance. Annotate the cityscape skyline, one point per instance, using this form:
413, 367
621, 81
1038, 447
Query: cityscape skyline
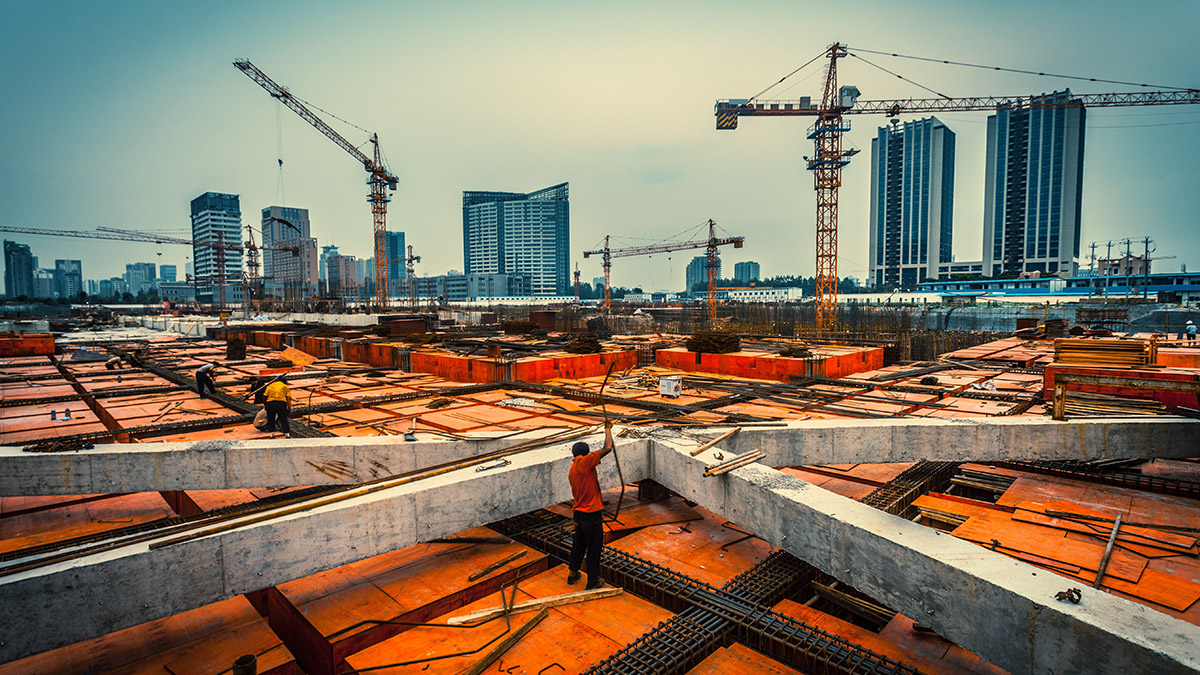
158, 89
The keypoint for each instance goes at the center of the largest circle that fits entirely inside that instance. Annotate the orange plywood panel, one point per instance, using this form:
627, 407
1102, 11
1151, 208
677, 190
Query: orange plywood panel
877, 643
75, 520
738, 660
222, 628
1049, 543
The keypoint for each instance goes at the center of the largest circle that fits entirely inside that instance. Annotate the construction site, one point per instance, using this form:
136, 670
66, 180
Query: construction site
314, 486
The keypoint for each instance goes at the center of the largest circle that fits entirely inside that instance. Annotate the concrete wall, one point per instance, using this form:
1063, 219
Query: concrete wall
997, 607
214, 465
220, 465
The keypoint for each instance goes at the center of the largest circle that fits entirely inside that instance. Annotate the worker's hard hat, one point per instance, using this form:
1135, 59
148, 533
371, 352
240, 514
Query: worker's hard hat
1189, 322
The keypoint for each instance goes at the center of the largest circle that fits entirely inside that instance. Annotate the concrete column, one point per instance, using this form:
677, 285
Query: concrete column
77, 597
1002, 609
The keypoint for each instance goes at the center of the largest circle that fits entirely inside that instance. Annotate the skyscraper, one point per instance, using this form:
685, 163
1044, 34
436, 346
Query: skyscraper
287, 275
323, 263
217, 218
68, 277
697, 272
745, 272
140, 277
18, 269
167, 272
514, 233
912, 202
397, 269
1033, 187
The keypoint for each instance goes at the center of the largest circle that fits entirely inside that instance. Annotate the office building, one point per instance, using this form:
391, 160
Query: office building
167, 273
340, 277
93, 287
18, 269
514, 233
912, 202
140, 277
322, 263
1033, 188
289, 275
68, 278
216, 218
697, 272
745, 272
397, 267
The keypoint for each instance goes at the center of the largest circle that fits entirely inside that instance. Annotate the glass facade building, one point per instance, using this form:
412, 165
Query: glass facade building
1033, 187
397, 266
216, 217
286, 276
745, 272
515, 233
912, 202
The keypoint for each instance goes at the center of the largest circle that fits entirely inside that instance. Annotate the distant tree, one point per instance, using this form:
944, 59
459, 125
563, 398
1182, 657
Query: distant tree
81, 296
127, 297
636, 289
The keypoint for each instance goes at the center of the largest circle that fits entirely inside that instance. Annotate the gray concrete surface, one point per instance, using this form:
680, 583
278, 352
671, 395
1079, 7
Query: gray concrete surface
220, 465
992, 605
210, 465
80, 600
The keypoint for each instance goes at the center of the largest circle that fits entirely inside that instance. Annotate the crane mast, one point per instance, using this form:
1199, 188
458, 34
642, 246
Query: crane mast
829, 158
710, 244
380, 181
410, 271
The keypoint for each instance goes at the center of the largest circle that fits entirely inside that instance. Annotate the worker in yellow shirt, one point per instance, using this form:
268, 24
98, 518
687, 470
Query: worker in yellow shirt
278, 399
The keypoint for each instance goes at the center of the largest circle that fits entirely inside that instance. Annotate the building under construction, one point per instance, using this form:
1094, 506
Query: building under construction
773, 505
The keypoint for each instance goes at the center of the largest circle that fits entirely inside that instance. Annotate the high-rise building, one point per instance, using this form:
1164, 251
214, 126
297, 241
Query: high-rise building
340, 276
912, 202
397, 267
167, 272
1033, 187
18, 269
93, 287
140, 277
323, 262
217, 218
68, 277
287, 275
745, 272
514, 233
43, 284
697, 272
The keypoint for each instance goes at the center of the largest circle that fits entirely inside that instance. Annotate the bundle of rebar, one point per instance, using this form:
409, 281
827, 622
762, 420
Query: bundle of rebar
711, 342
588, 343
1081, 404
1108, 352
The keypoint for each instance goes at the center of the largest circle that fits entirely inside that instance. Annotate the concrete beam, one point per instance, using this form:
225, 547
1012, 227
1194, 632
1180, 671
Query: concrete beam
77, 597
1002, 609
980, 439
221, 465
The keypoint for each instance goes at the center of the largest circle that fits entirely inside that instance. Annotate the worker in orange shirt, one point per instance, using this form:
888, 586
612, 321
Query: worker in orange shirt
278, 398
589, 526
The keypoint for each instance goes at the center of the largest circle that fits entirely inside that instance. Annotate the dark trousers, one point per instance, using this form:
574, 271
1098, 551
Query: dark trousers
204, 380
277, 411
589, 539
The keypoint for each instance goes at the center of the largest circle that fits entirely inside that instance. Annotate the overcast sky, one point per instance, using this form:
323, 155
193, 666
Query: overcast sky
119, 113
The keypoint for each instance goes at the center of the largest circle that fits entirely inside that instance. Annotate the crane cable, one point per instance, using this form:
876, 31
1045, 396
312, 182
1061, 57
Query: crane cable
280, 195
916, 84
780, 81
1023, 72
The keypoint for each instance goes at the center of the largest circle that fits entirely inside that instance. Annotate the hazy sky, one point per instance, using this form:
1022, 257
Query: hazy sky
119, 113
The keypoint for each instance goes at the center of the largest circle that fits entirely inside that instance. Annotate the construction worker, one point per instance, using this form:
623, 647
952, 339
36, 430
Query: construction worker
1190, 329
278, 398
204, 379
589, 526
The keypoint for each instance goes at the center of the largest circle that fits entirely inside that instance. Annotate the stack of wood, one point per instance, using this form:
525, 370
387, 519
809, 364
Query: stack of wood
518, 327
1105, 352
1057, 328
588, 343
710, 342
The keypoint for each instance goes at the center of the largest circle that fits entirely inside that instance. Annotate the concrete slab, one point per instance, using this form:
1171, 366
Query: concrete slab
996, 607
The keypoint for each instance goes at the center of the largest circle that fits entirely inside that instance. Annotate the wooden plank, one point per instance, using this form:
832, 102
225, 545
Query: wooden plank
1160, 588
1057, 510
504, 646
530, 605
714, 441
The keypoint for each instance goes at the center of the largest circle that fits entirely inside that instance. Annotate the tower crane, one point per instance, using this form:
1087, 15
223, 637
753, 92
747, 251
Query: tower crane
382, 182
115, 234
411, 272
710, 244
576, 282
829, 157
